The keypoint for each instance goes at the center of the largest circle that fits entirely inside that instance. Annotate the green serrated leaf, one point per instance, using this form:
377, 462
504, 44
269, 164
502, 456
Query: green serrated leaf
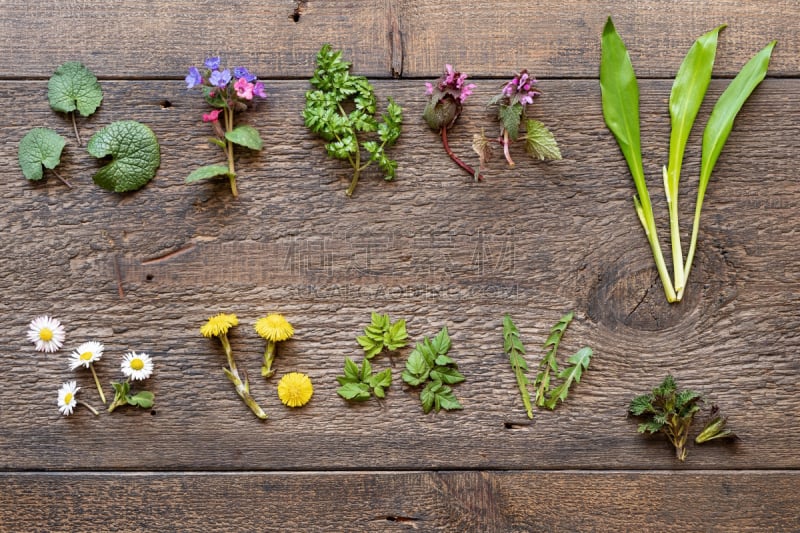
514, 348
210, 171
416, 366
351, 370
579, 362
540, 142
358, 392
441, 343
41, 147
510, 117
446, 374
246, 136
382, 379
73, 86
135, 155
366, 370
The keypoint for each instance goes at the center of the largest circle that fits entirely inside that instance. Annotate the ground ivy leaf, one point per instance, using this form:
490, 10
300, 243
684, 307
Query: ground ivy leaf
246, 136
135, 155
210, 171
73, 86
41, 147
540, 142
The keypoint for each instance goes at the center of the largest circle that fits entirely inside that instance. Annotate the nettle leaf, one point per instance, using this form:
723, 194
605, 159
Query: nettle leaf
41, 147
210, 171
135, 155
540, 142
511, 116
246, 136
143, 399
73, 86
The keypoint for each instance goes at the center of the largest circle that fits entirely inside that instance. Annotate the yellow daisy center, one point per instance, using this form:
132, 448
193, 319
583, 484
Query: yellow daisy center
295, 389
68, 398
137, 364
87, 356
46, 334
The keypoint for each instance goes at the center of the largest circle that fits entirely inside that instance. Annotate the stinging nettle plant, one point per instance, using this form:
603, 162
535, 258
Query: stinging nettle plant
620, 97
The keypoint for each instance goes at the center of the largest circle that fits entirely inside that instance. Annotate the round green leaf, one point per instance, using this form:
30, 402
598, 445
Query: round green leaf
73, 86
246, 136
40, 147
135, 155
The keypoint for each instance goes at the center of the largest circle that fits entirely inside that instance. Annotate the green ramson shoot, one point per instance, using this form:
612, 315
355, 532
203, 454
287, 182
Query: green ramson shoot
341, 109
514, 348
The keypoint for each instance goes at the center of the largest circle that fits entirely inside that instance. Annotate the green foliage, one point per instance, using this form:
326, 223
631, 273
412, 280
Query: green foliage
620, 96
41, 147
135, 155
383, 334
430, 365
668, 410
359, 384
341, 107
210, 171
514, 348
715, 428
579, 361
511, 117
74, 87
123, 396
246, 136
540, 142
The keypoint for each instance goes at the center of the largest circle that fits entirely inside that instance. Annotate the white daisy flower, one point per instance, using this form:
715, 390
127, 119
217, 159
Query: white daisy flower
46, 333
86, 354
137, 366
66, 397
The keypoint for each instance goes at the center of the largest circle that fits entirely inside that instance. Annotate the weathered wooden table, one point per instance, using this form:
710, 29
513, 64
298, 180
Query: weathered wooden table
144, 270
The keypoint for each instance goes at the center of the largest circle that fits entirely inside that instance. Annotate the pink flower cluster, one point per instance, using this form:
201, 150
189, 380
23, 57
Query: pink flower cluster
219, 83
521, 86
452, 82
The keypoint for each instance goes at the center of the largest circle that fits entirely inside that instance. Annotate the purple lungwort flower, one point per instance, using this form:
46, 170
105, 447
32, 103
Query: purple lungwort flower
193, 78
220, 78
258, 90
242, 72
212, 63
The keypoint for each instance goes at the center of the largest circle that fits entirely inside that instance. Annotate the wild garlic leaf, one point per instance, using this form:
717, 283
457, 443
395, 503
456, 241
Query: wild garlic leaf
246, 136
540, 142
204, 173
73, 86
134, 151
41, 147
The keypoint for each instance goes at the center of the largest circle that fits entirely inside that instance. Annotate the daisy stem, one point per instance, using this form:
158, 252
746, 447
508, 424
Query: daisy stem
269, 357
97, 382
89, 407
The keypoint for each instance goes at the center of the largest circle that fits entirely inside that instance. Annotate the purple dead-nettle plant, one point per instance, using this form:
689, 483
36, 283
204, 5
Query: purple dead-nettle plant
446, 98
513, 109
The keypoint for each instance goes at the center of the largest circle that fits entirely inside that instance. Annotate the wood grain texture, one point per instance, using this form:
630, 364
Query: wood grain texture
434, 247
411, 38
403, 501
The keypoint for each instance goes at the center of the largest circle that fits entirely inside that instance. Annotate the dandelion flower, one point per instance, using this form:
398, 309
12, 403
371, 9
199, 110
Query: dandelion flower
137, 366
86, 354
295, 389
66, 397
46, 333
219, 325
274, 327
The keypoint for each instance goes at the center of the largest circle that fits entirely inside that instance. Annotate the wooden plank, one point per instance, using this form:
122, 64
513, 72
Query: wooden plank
562, 39
381, 501
136, 39
434, 247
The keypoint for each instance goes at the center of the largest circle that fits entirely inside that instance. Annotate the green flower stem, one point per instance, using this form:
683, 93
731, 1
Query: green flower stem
269, 357
119, 399
505, 142
242, 387
97, 382
228, 113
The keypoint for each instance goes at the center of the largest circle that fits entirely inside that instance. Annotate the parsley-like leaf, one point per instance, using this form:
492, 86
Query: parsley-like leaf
41, 147
335, 89
515, 350
74, 87
429, 364
135, 155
